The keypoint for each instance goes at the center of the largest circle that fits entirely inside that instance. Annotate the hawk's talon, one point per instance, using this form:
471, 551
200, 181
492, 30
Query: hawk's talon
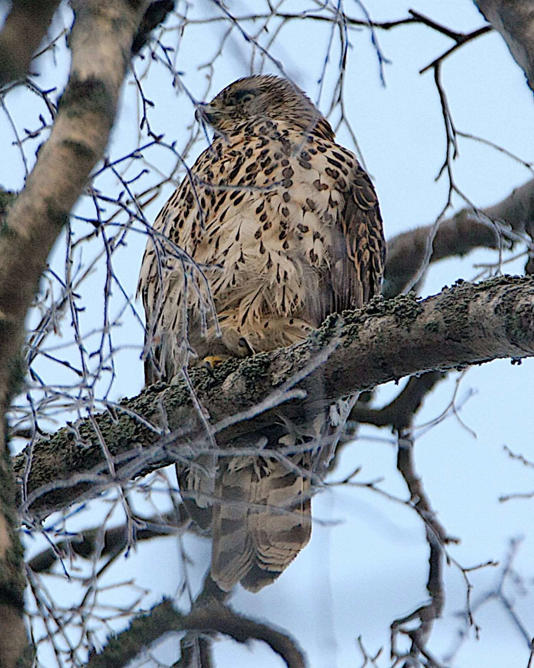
212, 361
243, 343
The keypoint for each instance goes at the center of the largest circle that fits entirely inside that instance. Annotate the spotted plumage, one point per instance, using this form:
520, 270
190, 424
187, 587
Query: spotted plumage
274, 227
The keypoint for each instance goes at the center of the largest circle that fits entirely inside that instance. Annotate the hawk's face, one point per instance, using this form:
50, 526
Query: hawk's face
258, 98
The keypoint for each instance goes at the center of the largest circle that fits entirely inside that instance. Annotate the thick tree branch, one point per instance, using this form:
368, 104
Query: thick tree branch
25, 27
465, 324
155, 14
76, 143
457, 235
399, 413
514, 19
209, 617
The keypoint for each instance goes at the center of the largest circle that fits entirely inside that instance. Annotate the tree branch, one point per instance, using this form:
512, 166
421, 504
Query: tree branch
210, 617
155, 14
92, 543
25, 27
398, 414
33, 223
78, 140
465, 324
457, 235
437, 538
514, 20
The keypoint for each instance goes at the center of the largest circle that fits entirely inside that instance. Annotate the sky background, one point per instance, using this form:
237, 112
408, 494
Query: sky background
366, 563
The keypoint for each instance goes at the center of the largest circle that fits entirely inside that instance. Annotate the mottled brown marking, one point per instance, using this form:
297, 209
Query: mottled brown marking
300, 239
288, 172
333, 173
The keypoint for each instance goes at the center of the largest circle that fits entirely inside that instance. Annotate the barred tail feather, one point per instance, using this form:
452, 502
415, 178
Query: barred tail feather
261, 521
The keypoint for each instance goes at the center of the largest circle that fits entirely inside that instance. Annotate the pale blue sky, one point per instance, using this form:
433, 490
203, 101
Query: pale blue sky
366, 562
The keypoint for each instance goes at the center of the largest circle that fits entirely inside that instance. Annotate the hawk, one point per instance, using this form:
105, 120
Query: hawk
275, 227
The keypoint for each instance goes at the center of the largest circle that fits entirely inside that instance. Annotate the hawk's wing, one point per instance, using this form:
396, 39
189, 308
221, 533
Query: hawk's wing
173, 281
364, 256
358, 247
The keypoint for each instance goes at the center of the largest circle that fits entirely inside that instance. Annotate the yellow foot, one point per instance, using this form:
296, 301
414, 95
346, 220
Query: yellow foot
211, 361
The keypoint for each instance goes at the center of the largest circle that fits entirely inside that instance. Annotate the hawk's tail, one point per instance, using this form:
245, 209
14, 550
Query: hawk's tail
261, 520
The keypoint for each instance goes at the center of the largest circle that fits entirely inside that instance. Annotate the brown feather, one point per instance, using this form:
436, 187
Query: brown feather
274, 227
260, 524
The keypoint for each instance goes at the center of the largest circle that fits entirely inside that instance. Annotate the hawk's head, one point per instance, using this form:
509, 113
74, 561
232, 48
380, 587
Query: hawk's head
257, 98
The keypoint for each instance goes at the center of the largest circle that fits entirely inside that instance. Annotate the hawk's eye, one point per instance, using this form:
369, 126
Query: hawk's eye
243, 96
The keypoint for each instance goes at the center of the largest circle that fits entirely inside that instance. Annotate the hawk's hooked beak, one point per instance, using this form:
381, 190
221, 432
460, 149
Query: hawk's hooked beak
205, 113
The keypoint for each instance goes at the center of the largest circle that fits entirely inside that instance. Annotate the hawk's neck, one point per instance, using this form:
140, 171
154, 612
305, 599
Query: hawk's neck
315, 127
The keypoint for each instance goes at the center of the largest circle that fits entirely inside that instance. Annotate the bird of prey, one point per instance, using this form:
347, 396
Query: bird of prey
274, 227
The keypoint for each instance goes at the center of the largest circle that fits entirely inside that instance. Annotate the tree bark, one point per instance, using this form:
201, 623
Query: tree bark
25, 27
514, 20
210, 616
34, 221
463, 325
